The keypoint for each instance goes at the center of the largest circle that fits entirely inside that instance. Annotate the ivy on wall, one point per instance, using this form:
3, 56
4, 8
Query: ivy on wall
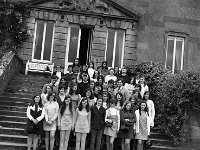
13, 28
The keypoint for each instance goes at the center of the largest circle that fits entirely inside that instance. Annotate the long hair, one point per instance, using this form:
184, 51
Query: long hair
33, 102
106, 67
91, 96
126, 103
50, 94
71, 91
46, 88
146, 108
146, 92
121, 100
70, 82
80, 107
75, 64
63, 107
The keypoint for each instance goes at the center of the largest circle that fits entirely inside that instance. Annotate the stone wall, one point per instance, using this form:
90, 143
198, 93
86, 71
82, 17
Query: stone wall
8, 65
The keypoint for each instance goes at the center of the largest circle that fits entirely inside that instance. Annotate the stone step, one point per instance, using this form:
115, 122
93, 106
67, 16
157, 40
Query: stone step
162, 141
155, 147
13, 138
13, 108
13, 113
13, 124
15, 99
14, 103
157, 135
12, 146
18, 94
12, 131
13, 118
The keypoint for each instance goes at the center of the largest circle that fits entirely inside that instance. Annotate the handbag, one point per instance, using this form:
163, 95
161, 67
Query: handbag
124, 128
33, 128
148, 144
108, 124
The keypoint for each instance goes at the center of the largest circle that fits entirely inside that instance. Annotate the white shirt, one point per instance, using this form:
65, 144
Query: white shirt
91, 72
109, 77
113, 111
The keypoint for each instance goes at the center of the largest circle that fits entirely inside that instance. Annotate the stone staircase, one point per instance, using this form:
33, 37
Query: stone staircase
13, 105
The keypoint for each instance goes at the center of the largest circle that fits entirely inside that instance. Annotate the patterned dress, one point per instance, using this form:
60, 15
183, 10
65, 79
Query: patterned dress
143, 132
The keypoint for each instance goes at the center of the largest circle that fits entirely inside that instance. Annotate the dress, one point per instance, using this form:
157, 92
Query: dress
82, 122
112, 131
143, 131
66, 120
75, 100
51, 113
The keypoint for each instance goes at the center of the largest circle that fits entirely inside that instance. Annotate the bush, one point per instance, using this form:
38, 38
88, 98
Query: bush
172, 95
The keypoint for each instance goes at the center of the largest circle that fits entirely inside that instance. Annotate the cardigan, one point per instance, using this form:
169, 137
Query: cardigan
151, 111
137, 128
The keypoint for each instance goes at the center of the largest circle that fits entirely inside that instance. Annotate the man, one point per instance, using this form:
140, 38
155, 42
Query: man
124, 76
54, 79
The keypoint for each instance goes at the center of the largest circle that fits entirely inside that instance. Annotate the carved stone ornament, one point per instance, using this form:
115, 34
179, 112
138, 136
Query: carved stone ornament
117, 24
46, 15
84, 5
82, 20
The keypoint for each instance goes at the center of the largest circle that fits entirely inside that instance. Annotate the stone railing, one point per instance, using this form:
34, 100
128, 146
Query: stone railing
8, 65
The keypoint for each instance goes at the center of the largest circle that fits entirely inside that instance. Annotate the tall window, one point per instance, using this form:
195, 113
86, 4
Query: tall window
174, 53
43, 41
115, 47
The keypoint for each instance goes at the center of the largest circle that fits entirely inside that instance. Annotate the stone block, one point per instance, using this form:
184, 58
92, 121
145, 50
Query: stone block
131, 32
70, 18
100, 34
58, 55
57, 48
27, 57
122, 26
62, 23
28, 45
30, 39
46, 15
31, 20
99, 40
130, 26
130, 44
32, 14
57, 62
36, 13
127, 25
88, 20
56, 16
60, 36
94, 21
60, 42
61, 30
51, 16
129, 49
112, 23
129, 38
99, 53
100, 28
31, 26
76, 19
128, 56
108, 23
41, 14
128, 62
27, 51
99, 47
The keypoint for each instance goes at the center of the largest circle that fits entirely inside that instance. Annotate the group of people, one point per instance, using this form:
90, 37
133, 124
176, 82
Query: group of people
95, 105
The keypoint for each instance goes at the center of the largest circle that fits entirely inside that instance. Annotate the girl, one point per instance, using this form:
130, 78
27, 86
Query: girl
112, 116
35, 113
61, 95
95, 76
104, 68
44, 95
75, 96
65, 122
50, 123
76, 66
130, 86
91, 69
63, 81
82, 123
142, 125
72, 81
151, 108
97, 124
120, 102
127, 118
105, 103
143, 86
90, 97
110, 76
116, 71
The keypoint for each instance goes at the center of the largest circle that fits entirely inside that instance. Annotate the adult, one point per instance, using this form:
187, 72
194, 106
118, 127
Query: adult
143, 86
124, 76
90, 97
98, 113
95, 76
53, 84
82, 123
104, 68
119, 100
47, 90
113, 117
65, 122
75, 96
151, 108
84, 84
122, 89
110, 76
127, 119
130, 86
35, 113
142, 126
50, 122
91, 69
76, 66
61, 95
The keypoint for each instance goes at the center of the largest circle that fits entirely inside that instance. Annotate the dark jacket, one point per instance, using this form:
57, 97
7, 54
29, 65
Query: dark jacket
98, 118
82, 88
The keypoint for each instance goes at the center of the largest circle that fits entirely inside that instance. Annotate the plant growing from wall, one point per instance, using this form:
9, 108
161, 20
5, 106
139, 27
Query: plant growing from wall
13, 29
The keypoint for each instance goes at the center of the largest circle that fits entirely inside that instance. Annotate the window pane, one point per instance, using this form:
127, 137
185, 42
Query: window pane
73, 44
38, 40
48, 41
170, 50
119, 47
110, 46
178, 56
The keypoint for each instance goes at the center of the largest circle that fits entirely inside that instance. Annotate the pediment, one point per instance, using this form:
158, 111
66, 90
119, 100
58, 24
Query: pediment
104, 7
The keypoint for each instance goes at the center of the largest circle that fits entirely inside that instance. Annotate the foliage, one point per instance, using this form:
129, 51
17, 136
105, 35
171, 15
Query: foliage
13, 29
172, 95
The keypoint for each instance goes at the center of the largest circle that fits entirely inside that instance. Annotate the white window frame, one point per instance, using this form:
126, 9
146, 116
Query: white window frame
174, 51
114, 48
67, 47
44, 35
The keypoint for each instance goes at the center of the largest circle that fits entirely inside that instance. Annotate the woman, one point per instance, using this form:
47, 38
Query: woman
120, 102
127, 118
151, 108
143, 86
90, 97
44, 95
91, 69
50, 123
61, 95
76, 66
65, 122
130, 86
63, 81
82, 123
106, 100
75, 96
97, 124
95, 76
142, 126
110, 76
104, 68
72, 81
35, 113
113, 117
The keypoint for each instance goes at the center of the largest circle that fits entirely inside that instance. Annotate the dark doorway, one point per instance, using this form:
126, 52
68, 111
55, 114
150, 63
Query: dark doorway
85, 45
